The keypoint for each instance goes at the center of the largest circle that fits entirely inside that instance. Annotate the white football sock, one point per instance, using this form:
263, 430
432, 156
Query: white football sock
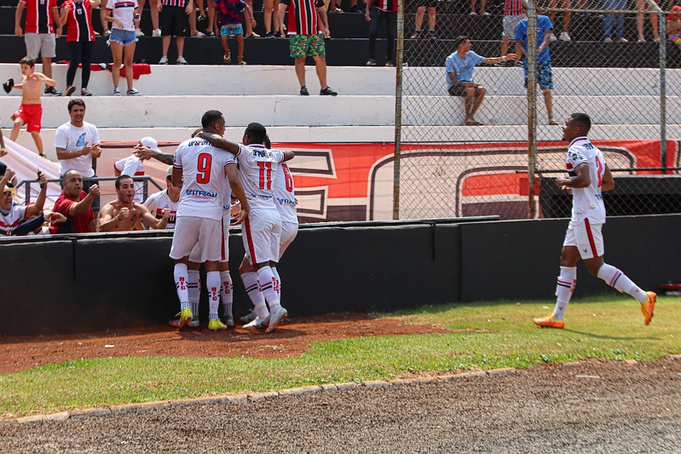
278, 280
266, 279
252, 286
619, 281
194, 286
213, 287
180, 274
226, 295
565, 285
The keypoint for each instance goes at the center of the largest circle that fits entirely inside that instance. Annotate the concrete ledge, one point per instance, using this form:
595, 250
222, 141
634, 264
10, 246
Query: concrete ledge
299, 391
376, 384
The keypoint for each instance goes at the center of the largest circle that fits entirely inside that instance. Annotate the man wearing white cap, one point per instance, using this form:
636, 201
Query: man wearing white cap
12, 215
166, 199
133, 166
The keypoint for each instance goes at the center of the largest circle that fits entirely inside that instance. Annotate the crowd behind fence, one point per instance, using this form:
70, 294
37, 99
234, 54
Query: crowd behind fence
611, 60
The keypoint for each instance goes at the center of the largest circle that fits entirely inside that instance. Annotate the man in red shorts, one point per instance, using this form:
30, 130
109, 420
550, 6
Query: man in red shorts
31, 110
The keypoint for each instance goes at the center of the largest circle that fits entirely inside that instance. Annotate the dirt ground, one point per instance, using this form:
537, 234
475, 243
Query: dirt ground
291, 339
591, 407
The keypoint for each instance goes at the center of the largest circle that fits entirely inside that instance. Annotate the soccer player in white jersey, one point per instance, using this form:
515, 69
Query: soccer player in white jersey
261, 230
284, 196
589, 175
200, 169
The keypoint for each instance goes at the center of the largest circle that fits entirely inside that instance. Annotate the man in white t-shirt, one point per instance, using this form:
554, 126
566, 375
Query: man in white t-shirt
589, 176
165, 200
261, 230
133, 166
200, 169
77, 144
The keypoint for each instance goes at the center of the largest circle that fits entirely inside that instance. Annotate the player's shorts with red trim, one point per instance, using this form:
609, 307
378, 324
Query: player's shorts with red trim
301, 46
31, 115
261, 233
586, 237
289, 231
195, 255
203, 233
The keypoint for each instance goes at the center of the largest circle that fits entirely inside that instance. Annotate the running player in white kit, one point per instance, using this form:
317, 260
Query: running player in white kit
589, 175
261, 230
200, 169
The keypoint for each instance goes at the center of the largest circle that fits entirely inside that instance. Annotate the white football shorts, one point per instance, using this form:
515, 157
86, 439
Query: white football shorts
586, 237
261, 233
203, 233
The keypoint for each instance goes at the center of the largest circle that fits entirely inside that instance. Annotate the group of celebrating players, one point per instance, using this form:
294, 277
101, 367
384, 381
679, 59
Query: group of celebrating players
212, 172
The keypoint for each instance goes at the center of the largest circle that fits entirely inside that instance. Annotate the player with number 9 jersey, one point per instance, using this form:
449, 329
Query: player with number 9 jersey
587, 202
203, 173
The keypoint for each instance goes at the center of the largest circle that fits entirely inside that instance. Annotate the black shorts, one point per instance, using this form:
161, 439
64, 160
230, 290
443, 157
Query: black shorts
428, 3
460, 90
174, 21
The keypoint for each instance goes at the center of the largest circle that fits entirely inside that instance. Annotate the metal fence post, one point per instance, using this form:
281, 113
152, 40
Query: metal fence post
398, 108
531, 104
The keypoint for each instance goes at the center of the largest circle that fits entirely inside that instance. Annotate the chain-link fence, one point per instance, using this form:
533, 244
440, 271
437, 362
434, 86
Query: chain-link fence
473, 144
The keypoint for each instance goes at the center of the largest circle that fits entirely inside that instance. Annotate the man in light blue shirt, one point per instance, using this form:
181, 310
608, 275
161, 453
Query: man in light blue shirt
544, 73
460, 67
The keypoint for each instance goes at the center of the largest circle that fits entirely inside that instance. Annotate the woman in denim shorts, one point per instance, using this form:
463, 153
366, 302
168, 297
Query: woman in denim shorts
125, 17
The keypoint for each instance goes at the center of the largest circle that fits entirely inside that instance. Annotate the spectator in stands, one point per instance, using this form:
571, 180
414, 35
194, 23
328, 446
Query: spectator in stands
379, 11
154, 12
483, 4
12, 215
167, 199
304, 40
40, 33
11, 181
134, 166
125, 16
431, 7
76, 205
174, 22
642, 7
80, 37
124, 214
565, 4
460, 66
543, 72
77, 145
272, 27
673, 26
232, 14
614, 20
248, 26
30, 111
513, 13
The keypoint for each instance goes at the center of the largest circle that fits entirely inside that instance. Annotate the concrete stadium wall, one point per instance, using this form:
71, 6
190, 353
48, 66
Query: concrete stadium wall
106, 281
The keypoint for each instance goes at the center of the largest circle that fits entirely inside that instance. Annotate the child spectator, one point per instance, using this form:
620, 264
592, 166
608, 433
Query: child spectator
30, 111
674, 26
231, 16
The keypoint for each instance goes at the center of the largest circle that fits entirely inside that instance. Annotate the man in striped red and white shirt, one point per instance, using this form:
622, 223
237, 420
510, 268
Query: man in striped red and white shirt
304, 41
40, 32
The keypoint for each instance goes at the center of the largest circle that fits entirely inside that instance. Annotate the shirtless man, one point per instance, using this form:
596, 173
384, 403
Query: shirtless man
124, 215
31, 110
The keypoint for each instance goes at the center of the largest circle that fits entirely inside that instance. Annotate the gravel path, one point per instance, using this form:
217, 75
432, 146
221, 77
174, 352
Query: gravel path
589, 407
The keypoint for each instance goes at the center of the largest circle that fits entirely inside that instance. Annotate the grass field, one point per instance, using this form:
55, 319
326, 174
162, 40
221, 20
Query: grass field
486, 335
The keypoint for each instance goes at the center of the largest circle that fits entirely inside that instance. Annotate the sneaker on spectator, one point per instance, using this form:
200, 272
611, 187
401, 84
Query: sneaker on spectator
133, 92
163, 60
269, 35
117, 91
371, 62
199, 35
181, 60
327, 92
277, 34
70, 89
242, 62
416, 35
139, 33
552, 38
622, 40
641, 40
607, 40
473, 14
84, 92
52, 91
156, 33
304, 92
390, 64
107, 33
486, 14
565, 37
431, 35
